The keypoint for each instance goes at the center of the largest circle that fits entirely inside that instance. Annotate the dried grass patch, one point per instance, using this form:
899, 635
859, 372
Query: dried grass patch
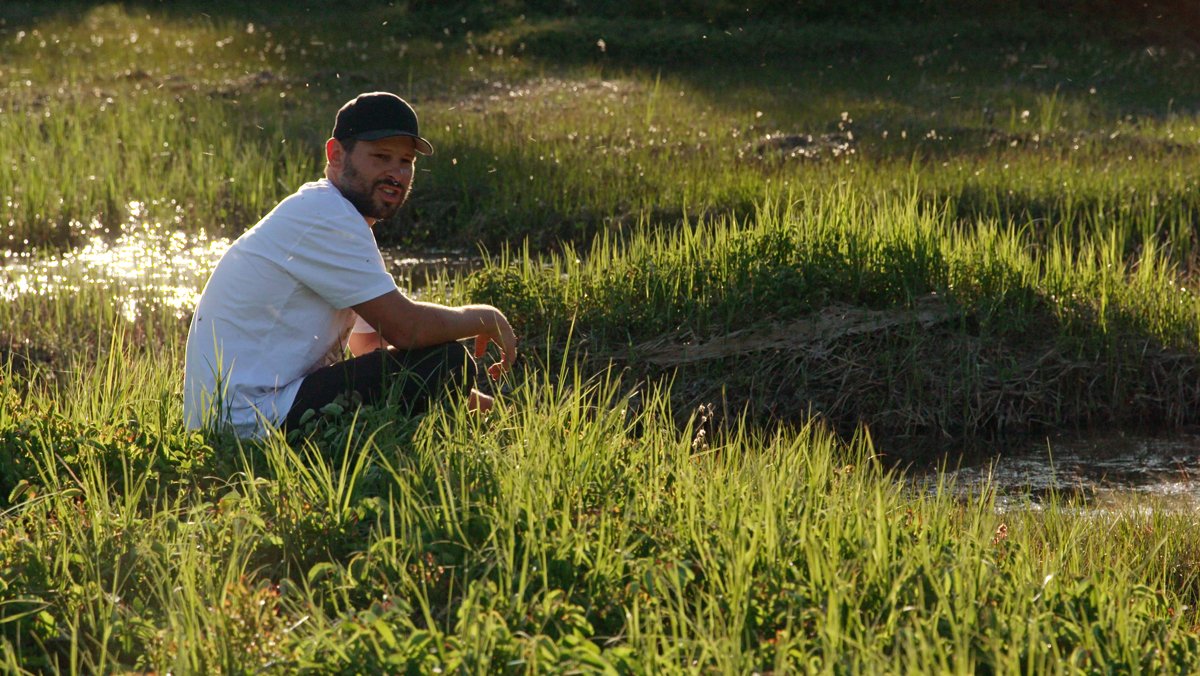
927, 370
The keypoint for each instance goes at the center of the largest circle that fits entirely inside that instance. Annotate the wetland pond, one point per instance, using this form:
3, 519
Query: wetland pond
1094, 471
150, 263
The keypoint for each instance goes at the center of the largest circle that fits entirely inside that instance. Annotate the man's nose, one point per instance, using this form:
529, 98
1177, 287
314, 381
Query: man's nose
400, 172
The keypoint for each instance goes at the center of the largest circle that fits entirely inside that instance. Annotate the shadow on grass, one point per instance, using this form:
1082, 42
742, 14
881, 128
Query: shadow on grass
1130, 53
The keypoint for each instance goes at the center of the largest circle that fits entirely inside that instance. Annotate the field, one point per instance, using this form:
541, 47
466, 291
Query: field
760, 257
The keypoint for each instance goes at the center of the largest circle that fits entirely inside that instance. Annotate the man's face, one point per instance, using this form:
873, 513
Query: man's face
377, 175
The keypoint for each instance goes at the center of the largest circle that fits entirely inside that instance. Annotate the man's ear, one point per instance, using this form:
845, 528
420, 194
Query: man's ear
334, 153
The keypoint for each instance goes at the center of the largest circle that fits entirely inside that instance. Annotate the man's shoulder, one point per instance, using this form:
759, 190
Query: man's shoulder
317, 204
316, 196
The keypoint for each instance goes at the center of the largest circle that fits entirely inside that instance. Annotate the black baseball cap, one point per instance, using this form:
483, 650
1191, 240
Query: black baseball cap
376, 115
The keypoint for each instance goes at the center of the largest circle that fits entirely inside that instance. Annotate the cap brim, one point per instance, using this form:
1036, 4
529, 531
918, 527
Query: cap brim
424, 147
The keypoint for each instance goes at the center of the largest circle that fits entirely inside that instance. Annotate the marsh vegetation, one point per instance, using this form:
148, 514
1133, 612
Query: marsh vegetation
756, 258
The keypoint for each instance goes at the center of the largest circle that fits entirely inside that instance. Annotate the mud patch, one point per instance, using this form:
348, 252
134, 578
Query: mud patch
248, 83
419, 272
831, 323
493, 96
781, 146
918, 376
1096, 471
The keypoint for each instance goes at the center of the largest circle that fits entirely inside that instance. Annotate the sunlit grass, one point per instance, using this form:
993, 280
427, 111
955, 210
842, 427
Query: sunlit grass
876, 307
805, 249
553, 535
957, 228
541, 134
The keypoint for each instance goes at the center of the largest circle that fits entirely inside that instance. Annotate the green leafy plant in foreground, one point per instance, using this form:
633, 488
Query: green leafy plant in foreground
562, 532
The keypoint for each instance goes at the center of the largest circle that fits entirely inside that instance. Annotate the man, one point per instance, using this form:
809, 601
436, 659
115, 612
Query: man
293, 293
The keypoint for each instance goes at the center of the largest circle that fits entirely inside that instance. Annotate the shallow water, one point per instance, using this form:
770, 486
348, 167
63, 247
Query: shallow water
153, 263
1098, 471
146, 263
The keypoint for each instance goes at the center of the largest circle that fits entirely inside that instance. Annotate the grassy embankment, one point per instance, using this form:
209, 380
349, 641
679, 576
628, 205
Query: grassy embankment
1072, 149
975, 268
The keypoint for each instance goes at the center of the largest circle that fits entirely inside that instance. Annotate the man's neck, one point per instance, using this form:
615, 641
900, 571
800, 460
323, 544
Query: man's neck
370, 221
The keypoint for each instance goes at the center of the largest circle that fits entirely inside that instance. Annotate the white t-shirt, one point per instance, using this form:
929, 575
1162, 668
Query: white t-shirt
278, 307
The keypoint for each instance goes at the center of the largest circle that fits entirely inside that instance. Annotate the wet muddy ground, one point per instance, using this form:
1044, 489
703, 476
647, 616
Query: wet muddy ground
1096, 471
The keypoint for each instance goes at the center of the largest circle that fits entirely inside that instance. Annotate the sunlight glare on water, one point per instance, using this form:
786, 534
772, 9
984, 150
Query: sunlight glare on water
147, 262
152, 262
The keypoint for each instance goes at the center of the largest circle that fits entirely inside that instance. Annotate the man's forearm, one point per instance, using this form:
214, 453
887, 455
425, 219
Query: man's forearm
362, 343
441, 324
409, 324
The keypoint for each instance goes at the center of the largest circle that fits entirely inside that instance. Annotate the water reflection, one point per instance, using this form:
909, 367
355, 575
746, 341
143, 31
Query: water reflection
159, 264
148, 262
1099, 471
416, 272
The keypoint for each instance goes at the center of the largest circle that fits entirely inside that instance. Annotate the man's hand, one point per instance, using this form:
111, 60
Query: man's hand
496, 330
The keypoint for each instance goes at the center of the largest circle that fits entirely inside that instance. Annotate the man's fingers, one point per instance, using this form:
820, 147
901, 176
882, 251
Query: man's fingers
510, 351
502, 334
507, 357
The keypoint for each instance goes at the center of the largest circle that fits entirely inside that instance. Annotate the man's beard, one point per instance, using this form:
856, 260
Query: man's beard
363, 200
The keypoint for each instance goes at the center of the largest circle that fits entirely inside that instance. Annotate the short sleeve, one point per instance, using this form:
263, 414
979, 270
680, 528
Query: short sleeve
340, 262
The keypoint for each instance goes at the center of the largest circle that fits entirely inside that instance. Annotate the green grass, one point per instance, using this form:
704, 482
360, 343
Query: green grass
947, 328
565, 531
937, 261
551, 536
217, 114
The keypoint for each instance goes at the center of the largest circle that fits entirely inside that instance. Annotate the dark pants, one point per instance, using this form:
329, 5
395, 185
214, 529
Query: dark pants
416, 377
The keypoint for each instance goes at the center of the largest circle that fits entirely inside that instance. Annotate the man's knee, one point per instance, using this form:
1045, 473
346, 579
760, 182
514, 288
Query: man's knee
460, 366
447, 366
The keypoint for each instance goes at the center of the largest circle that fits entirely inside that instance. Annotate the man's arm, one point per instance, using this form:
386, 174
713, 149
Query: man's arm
410, 325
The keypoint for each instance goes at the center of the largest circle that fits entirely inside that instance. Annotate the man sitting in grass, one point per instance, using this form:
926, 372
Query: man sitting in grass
269, 336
